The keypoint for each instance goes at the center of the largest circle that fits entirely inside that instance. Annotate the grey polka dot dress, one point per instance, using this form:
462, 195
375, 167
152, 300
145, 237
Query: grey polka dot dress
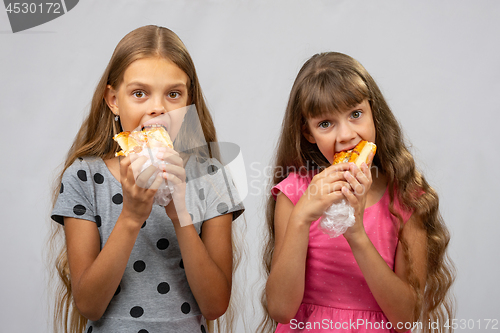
153, 295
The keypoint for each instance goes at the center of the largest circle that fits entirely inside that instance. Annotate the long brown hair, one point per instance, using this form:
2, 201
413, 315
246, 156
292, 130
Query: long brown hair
331, 82
95, 139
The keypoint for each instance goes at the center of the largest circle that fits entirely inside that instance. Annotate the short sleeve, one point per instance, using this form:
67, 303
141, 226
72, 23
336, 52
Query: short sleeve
76, 194
217, 189
292, 186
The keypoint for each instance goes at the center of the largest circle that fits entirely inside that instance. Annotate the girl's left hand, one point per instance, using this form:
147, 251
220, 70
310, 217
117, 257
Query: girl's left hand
360, 181
175, 174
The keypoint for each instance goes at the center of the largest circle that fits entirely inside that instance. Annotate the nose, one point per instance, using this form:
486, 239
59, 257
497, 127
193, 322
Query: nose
345, 132
158, 108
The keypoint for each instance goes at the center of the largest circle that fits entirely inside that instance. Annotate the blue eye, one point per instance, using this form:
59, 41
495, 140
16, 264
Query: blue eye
356, 114
324, 124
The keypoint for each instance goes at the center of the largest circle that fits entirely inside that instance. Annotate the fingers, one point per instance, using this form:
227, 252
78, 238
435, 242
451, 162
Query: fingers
143, 178
137, 162
173, 166
329, 180
336, 196
359, 179
174, 173
170, 156
124, 164
170, 168
350, 196
131, 174
157, 182
369, 160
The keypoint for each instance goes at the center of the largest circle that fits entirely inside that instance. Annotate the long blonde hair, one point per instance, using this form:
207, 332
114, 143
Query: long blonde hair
332, 82
95, 139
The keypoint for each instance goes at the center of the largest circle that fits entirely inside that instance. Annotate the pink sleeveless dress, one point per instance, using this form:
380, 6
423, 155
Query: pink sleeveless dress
336, 296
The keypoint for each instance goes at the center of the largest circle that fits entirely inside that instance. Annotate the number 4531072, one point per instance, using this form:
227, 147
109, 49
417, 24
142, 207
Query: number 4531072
32, 8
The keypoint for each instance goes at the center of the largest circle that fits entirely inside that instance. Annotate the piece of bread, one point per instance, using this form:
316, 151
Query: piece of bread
154, 135
358, 154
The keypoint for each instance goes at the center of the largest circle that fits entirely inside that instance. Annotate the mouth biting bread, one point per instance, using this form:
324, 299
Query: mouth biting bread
358, 154
135, 141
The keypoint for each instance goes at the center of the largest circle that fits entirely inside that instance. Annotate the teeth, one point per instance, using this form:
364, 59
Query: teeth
153, 126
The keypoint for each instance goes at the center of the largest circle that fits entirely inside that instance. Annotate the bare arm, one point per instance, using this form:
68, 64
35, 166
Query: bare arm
95, 274
285, 285
391, 290
208, 263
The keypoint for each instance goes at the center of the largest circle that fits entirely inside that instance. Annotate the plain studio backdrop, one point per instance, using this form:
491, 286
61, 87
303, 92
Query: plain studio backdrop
437, 64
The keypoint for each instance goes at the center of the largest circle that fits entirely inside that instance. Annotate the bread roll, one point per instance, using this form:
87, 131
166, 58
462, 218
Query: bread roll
135, 141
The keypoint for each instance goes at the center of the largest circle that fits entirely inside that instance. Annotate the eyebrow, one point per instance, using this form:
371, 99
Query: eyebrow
145, 85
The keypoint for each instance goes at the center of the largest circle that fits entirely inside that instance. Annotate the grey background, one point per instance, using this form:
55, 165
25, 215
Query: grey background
436, 62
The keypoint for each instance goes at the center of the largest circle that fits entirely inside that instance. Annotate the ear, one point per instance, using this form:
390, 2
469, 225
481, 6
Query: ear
307, 134
110, 96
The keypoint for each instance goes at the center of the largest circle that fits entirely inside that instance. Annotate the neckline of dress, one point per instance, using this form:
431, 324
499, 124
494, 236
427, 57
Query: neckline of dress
382, 198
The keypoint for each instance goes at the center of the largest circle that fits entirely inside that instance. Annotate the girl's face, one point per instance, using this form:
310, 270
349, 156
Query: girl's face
341, 131
151, 89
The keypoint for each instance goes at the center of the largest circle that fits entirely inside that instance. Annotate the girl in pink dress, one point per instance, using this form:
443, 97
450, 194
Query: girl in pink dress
389, 272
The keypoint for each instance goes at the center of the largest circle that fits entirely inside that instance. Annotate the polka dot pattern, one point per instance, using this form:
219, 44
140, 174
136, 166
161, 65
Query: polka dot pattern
79, 210
139, 266
162, 244
185, 308
212, 169
222, 208
98, 178
98, 221
82, 175
163, 288
136, 311
117, 199
143, 269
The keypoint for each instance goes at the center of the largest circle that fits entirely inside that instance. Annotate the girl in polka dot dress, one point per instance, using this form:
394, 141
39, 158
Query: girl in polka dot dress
388, 270
127, 264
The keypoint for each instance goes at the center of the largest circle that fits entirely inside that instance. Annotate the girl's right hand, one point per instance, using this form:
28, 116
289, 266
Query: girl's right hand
137, 200
324, 190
